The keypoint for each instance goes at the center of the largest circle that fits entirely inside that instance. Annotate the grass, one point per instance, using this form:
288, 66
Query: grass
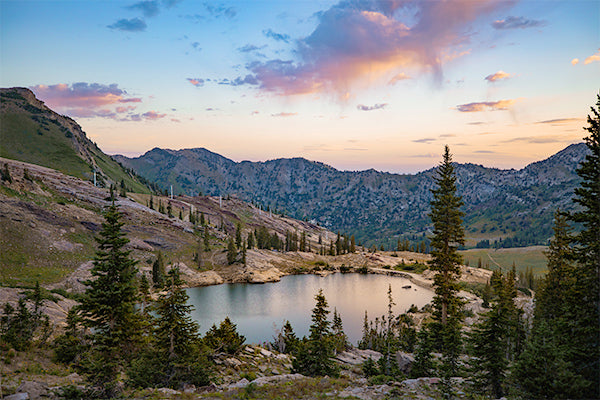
523, 257
417, 268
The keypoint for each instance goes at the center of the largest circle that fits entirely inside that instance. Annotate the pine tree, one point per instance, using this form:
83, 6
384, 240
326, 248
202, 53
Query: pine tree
448, 234
585, 350
238, 235
158, 270
340, 340
231, 251
108, 306
313, 355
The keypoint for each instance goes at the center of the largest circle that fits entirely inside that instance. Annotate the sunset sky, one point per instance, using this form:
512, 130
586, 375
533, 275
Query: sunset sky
354, 84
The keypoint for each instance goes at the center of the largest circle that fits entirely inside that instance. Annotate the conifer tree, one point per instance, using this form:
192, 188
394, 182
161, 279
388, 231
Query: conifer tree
158, 270
108, 305
231, 251
340, 340
585, 353
448, 234
313, 355
238, 236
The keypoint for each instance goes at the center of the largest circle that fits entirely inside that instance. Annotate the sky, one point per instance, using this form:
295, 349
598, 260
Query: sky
354, 84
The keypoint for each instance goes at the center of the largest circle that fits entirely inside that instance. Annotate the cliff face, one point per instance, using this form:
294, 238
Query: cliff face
514, 204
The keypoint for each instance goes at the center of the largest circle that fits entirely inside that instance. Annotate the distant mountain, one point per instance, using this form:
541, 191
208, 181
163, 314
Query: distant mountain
33, 133
378, 207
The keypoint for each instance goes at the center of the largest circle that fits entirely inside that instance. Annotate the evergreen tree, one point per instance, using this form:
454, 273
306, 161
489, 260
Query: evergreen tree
108, 305
158, 270
169, 210
585, 350
238, 235
448, 234
231, 251
225, 338
5, 175
313, 355
340, 340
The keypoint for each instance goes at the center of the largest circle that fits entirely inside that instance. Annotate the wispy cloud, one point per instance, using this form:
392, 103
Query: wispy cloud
284, 114
424, 140
558, 121
129, 25
153, 115
367, 40
149, 8
249, 48
592, 58
537, 139
220, 11
377, 106
198, 82
280, 37
499, 105
575, 61
398, 77
500, 75
196, 46
512, 22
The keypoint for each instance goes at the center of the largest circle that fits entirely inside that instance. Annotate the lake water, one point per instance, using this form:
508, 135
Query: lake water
259, 310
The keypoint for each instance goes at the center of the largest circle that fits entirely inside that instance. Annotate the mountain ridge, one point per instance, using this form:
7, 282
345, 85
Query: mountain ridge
372, 203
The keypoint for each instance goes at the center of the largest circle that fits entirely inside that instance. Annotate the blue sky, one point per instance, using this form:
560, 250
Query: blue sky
355, 84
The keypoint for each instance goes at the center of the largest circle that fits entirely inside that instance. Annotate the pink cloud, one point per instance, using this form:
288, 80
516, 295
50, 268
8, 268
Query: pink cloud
364, 41
153, 115
398, 77
85, 100
498, 76
499, 105
196, 81
575, 61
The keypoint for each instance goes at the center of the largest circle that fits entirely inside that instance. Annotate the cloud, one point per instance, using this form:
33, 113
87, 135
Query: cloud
517, 23
149, 8
88, 100
129, 25
398, 77
196, 81
175, 120
365, 41
279, 37
249, 48
592, 58
575, 61
284, 114
378, 106
239, 81
558, 121
537, 139
424, 140
170, 3
477, 123
500, 75
485, 152
255, 112
445, 135
153, 115
196, 46
499, 105
220, 11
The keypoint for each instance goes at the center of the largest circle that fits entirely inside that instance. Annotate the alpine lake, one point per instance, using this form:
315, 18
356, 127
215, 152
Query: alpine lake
260, 310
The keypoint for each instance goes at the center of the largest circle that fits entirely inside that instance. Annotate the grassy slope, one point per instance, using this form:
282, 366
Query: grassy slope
24, 139
523, 257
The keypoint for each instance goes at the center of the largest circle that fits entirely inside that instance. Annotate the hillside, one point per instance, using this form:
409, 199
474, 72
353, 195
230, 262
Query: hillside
33, 133
378, 207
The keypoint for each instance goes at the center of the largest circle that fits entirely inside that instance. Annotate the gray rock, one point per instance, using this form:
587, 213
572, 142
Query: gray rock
17, 396
35, 390
266, 380
232, 362
404, 361
239, 384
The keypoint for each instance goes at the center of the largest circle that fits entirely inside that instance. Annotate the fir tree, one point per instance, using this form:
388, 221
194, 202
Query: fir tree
158, 270
448, 234
108, 305
340, 340
585, 349
231, 251
238, 236
225, 338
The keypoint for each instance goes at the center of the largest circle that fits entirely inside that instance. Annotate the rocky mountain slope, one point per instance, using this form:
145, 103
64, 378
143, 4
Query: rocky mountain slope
32, 132
378, 207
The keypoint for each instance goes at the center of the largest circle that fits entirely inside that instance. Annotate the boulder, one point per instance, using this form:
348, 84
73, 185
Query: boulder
356, 356
404, 361
17, 396
35, 390
239, 384
268, 380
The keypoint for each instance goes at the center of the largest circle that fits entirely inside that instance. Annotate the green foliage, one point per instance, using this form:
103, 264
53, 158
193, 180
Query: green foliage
109, 305
424, 364
225, 338
5, 174
448, 235
231, 251
158, 270
286, 340
175, 354
313, 354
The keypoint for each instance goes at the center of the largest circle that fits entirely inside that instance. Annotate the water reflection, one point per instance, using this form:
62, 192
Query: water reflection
259, 309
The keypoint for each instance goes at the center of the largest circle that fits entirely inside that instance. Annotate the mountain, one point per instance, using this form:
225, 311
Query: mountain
516, 206
33, 133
